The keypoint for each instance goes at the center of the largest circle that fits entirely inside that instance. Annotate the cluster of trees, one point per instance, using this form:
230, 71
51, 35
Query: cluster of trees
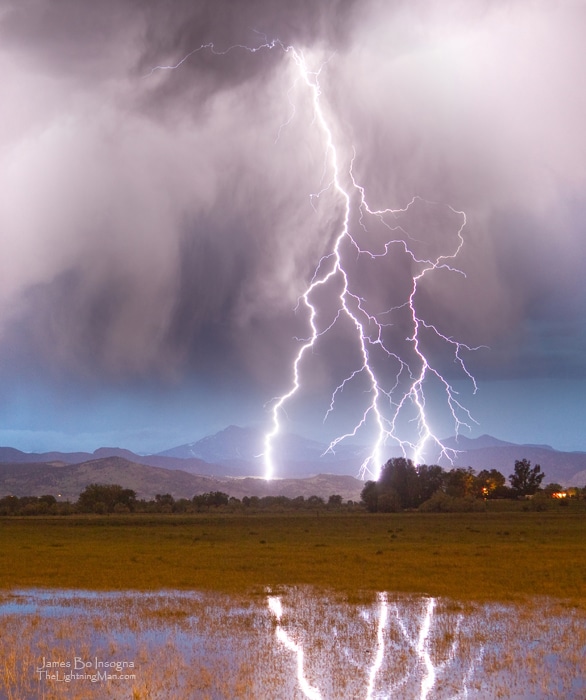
113, 498
402, 485
34, 505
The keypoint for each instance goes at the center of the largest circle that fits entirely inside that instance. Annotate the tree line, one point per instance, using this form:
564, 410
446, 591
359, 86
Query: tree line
112, 498
402, 485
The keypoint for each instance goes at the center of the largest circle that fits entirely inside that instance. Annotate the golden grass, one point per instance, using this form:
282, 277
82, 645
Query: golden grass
470, 556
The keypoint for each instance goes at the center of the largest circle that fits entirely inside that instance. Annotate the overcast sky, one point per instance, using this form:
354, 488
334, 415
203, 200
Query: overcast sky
157, 224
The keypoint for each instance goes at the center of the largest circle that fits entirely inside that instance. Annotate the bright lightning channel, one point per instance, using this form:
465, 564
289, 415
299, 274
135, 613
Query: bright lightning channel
425, 668
423, 650
276, 607
417, 678
352, 306
380, 645
386, 406
312, 693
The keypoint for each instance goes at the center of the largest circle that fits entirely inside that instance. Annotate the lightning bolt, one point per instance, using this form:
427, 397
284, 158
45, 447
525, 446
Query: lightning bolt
380, 645
368, 327
414, 625
423, 651
405, 396
421, 646
275, 606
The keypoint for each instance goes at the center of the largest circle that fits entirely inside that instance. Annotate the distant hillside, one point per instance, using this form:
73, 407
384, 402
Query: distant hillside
566, 468
236, 452
71, 479
239, 451
68, 481
13, 456
9, 455
232, 443
323, 485
461, 442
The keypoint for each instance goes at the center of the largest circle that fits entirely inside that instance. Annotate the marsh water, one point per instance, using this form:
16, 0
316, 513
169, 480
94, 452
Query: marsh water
288, 643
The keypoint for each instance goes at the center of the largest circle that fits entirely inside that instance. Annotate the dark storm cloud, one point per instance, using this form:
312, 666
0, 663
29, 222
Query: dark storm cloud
88, 39
482, 111
179, 26
149, 247
159, 224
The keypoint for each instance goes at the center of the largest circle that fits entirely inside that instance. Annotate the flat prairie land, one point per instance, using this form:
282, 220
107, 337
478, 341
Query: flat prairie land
467, 556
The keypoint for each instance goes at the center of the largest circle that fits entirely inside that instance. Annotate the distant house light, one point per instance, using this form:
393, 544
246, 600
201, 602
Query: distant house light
559, 494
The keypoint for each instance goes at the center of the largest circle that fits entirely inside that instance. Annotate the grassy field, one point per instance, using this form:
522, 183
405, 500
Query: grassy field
468, 556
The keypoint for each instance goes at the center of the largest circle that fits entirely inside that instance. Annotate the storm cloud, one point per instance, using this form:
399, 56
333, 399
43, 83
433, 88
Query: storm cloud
156, 222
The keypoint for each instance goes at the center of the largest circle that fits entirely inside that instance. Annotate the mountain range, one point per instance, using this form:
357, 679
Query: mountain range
486, 452
231, 461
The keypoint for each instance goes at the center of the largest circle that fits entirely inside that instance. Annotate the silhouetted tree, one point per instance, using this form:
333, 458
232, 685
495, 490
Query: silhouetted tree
335, 501
459, 482
489, 484
165, 499
103, 498
402, 485
298, 502
369, 496
211, 499
182, 505
165, 503
9, 505
431, 479
550, 489
400, 475
388, 502
315, 502
526, 480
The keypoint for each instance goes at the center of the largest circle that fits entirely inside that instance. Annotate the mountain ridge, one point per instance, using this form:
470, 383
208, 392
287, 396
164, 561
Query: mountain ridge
235, 452
67, 481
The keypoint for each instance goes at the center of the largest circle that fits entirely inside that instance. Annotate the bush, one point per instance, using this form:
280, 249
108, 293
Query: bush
103, 498
388, 502
440, 502
537, 503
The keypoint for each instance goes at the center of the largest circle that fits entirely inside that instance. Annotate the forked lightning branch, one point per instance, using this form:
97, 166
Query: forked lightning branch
397, 393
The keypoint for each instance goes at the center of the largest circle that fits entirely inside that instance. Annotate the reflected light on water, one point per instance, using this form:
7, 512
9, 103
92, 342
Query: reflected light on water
298, 643
380, 643
423, 651
422, 635
276, 607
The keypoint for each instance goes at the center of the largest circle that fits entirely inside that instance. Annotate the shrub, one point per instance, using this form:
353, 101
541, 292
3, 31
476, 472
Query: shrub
538, 502
440, 502
388, 502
